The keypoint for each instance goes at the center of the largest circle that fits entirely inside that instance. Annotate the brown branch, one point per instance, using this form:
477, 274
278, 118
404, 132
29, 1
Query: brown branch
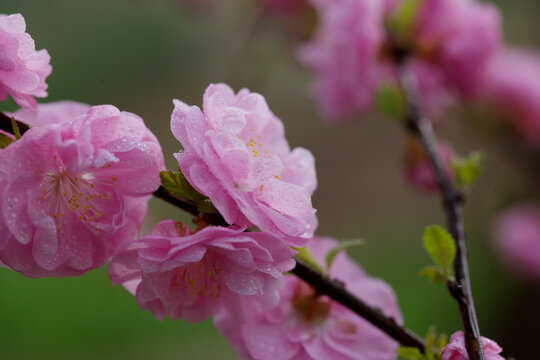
337, 292
324, 285
460, 289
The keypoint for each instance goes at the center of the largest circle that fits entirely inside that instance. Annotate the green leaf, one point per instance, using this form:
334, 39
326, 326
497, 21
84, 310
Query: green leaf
16, 130
434, 274
443, 340
410, 353
431, 339
305, 256
343, 245
177, 184
441, 247
468, 169
401, 23
390, 100
5, 141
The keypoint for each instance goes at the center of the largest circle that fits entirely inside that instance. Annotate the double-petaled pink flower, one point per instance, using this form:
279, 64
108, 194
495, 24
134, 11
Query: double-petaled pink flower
306, 325
76, 189
344, 55
23, 70
194, 275
456, 349
235, 152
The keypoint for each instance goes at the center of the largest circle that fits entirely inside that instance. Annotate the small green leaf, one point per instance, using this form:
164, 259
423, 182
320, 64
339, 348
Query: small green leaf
305, 256
390, 100
5, 141
441, 247
343, 245
434, 274
443, 340
177, 184
401, 23
468, 169
16, 130
410, 353
431, 339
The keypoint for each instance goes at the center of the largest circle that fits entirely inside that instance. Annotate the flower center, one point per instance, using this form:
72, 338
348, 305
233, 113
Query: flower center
309, 306
83, 195
201, 278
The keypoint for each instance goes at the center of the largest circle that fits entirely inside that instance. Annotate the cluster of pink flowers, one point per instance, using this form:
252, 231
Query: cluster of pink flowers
235, 153
306, 325
450, 42
455, 50
23, 70
74, 187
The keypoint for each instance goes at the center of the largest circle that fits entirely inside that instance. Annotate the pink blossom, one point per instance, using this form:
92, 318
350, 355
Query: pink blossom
512, 84
517, 237
193, 275
236, 154
23, 70
75, 190
344, 55
456, 350
417, 167
305, 326
52, 113
460, 36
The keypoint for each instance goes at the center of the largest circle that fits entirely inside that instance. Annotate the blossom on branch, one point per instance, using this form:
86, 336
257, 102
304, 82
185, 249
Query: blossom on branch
192, 275
74, 190
236, 154
306, 325
456, 350
417, 168
23, 70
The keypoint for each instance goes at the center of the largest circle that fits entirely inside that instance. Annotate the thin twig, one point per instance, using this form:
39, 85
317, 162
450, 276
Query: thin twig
460, 290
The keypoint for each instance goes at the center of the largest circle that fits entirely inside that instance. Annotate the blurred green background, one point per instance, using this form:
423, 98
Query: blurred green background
139, 54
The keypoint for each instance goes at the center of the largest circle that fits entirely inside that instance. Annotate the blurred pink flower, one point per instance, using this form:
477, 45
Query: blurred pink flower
52, 113
461, 36
192, 275
344, 55
417, 168
456, 350
23, 70
75, 190
512, 84
306, 326
517, 236
236, 154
